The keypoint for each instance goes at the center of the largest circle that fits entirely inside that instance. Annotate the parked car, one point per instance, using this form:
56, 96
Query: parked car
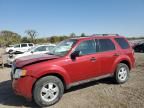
139, 48
45, 77
39, 49
19, 47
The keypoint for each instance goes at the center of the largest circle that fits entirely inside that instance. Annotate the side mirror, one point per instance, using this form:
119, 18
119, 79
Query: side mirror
75, 54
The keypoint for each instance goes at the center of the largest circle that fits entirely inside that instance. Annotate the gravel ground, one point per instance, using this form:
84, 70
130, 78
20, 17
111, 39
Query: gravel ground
97, 94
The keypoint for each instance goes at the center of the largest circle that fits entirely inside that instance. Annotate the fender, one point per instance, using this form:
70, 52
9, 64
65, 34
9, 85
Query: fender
118, 60
51, 69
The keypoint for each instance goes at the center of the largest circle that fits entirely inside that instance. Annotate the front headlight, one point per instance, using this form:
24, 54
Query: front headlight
19, 73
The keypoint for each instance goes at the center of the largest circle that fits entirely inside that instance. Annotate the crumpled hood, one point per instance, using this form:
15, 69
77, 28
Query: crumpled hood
26, 60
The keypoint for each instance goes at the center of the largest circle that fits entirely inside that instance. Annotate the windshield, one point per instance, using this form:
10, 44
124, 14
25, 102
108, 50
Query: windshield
63, 47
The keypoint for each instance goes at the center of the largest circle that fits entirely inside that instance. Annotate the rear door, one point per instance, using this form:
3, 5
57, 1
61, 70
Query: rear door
108, 54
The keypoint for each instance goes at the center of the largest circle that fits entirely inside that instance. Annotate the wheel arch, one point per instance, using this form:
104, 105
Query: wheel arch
127, 63
52, 74
121, 60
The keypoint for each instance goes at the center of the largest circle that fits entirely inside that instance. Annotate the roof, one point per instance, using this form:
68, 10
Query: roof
97, 36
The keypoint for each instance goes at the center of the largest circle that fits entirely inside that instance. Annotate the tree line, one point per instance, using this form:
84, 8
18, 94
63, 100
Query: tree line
9, 38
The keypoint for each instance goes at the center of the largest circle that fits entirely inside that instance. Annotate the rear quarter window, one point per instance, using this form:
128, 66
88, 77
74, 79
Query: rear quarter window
30, 44
122, 43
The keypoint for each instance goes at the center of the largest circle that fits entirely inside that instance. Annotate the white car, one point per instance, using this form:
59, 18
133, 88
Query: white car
40, 49
19, 47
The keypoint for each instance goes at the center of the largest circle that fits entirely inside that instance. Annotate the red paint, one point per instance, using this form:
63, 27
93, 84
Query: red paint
23, 86
71, 70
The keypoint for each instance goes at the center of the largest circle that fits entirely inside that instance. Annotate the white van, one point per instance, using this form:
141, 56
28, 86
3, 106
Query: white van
19, 47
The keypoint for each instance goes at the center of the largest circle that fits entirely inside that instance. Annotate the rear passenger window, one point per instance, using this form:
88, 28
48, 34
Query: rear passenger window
86, 47
122, 42
106, 45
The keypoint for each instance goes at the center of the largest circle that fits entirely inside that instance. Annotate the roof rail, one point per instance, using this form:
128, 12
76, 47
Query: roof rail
105, 35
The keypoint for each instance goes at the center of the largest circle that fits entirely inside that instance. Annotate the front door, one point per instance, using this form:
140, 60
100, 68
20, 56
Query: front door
87, 65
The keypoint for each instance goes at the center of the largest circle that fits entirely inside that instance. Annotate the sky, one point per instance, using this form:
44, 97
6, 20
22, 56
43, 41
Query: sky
63, 17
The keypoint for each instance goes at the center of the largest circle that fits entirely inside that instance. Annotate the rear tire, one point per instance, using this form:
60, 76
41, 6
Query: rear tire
48, 91
122, 73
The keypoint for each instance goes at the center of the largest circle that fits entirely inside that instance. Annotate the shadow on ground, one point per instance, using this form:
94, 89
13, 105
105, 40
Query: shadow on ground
92, 83
8, 98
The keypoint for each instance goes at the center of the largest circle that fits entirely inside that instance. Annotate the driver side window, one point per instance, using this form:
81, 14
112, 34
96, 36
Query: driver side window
86, 47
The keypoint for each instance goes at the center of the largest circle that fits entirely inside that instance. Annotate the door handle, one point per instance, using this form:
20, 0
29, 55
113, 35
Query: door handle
116, 54
93, 59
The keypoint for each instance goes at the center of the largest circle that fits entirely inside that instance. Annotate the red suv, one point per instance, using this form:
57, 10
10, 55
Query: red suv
44, 77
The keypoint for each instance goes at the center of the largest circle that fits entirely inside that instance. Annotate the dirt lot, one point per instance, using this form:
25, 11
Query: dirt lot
103, 93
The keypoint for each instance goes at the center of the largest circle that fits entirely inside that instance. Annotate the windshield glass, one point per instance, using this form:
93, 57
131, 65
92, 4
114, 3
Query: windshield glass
63, 47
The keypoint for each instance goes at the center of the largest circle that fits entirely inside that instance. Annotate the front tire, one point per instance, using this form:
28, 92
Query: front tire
48, 91
122, 73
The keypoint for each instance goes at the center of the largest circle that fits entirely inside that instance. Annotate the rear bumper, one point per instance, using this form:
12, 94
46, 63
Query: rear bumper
23, 86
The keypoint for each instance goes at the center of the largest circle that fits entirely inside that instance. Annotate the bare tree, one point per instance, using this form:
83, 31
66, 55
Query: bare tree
32, 34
